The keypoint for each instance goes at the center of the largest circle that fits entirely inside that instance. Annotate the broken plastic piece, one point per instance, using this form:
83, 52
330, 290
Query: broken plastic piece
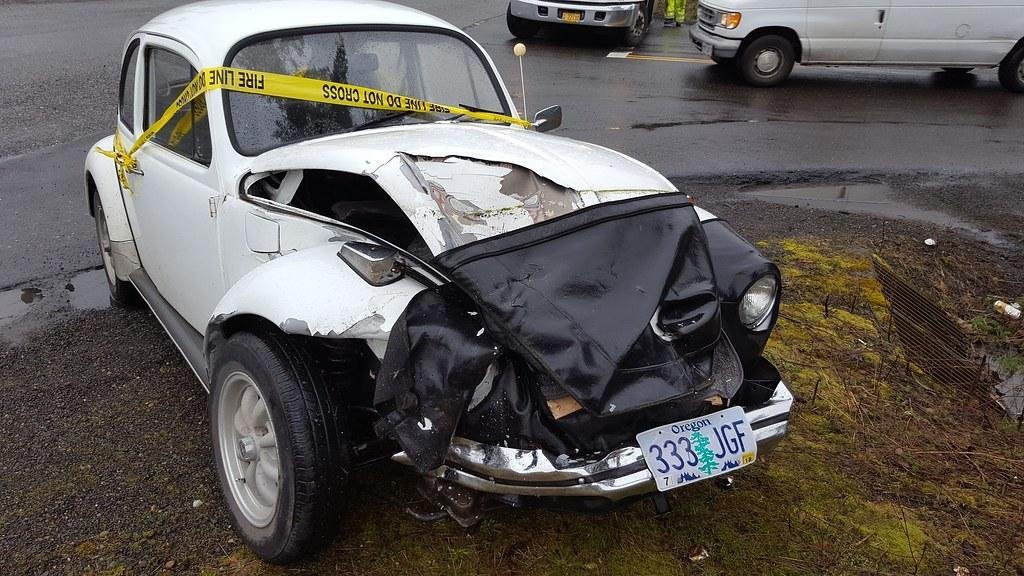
561, 407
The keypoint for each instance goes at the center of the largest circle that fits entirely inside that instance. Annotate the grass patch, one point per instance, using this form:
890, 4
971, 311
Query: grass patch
883, 472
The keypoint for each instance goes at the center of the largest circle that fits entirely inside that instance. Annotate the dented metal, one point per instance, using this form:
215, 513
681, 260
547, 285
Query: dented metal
614, 476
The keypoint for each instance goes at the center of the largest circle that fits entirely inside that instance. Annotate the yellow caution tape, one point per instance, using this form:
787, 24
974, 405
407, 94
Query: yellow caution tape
282, 86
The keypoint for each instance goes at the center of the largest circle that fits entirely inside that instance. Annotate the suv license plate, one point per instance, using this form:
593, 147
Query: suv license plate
698, 449
572, 16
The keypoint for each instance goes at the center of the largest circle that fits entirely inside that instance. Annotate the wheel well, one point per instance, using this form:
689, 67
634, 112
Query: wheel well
347, 365
1018, 46
787, 33
90, 191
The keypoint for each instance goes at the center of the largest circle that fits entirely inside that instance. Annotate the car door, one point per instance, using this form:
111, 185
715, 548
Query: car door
948, 32
845, 30
173, 197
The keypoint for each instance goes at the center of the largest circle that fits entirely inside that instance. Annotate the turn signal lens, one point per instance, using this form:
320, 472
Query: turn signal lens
758, 302
729, 20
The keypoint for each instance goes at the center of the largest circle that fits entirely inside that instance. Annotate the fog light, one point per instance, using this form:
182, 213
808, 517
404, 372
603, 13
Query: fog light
729, 20
758, 302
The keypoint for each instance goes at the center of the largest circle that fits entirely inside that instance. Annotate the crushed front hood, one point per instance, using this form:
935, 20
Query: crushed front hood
570, 163
614, 305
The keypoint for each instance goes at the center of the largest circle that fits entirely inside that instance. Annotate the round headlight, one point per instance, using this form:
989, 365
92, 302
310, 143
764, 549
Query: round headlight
757, 303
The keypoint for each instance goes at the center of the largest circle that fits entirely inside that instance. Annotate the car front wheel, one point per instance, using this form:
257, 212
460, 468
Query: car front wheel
520, 27
279, 446
767, 61
1011, 71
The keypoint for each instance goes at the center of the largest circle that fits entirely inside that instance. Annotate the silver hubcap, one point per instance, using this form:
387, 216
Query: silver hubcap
248, 448
104, 238
1020, 72
640, 22
767, 61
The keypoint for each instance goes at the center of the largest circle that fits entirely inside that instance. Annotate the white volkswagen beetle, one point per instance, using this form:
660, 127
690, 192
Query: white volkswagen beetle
518, 317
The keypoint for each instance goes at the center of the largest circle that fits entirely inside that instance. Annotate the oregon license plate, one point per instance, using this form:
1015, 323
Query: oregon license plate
571, 16
698, 449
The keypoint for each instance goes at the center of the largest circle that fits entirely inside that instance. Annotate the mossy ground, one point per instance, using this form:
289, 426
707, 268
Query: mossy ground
884, 471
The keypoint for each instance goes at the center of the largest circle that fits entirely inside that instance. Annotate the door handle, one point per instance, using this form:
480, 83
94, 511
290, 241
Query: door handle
881, 19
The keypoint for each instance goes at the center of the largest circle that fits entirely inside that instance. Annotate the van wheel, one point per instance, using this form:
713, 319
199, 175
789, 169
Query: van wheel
1011, 71
280, 445
767, 61
632, 36
520, 27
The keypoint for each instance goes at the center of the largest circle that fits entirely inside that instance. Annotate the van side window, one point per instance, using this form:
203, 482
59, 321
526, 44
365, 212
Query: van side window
127, 92
188, 132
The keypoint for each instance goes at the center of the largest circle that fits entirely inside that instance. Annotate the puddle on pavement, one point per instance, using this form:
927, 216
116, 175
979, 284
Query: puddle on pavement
870, 198
25, 307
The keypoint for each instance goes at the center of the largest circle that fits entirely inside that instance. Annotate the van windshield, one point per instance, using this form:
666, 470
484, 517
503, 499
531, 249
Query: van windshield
433, 66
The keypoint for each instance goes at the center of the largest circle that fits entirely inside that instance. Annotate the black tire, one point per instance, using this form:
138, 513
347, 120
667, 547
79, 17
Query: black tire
122, 293
632, 36
723, 61
520, 27
757, 56
958, 71
1011, 71
312, 450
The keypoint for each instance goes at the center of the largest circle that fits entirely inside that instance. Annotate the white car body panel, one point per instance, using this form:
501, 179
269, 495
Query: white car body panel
313, 293
881, 32
215, 253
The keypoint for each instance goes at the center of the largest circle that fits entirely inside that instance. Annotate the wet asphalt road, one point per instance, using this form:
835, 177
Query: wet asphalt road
685, 118
107, 376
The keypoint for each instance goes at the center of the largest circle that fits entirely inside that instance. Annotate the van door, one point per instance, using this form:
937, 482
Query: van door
948, 32
845, 30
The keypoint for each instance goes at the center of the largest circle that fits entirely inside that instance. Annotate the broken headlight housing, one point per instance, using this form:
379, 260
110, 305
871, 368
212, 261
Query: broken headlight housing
758, 303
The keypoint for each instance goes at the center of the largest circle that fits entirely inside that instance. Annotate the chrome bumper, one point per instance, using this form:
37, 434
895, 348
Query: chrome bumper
720, 46
618, 15
619, 474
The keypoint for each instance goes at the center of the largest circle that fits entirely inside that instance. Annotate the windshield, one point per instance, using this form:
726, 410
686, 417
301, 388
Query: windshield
434, 66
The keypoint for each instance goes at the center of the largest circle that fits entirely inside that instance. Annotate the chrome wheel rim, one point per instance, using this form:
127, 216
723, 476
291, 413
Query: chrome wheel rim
767, 61
104, 238
641, 22
1020, 72
248, 448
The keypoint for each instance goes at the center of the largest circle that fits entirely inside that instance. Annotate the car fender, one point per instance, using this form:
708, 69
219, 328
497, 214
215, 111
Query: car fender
312, 292
101, 175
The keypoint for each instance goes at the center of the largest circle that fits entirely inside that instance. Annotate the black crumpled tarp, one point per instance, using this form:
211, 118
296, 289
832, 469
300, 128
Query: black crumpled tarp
571, 298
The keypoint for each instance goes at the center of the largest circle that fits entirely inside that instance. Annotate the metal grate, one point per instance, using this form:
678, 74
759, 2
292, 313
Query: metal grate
930, 338
706, 16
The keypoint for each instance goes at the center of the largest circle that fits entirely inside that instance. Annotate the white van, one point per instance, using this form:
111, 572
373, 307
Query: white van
764, 38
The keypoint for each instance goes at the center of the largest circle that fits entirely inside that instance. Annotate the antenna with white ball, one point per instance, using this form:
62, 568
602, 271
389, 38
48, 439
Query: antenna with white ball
520, 50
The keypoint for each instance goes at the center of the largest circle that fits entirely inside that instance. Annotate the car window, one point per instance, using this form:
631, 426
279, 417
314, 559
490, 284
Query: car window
188, 132
127, 97
434, 66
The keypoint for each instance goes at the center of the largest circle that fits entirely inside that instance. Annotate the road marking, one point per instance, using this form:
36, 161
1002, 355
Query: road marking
635, 56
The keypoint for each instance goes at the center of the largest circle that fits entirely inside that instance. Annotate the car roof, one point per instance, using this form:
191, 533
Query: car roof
212, 27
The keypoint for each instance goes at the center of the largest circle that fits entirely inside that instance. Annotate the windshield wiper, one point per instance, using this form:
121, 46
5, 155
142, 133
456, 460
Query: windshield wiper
380, 120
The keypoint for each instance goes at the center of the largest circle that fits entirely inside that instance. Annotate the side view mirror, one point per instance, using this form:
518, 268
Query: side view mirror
378, 265
548, 119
